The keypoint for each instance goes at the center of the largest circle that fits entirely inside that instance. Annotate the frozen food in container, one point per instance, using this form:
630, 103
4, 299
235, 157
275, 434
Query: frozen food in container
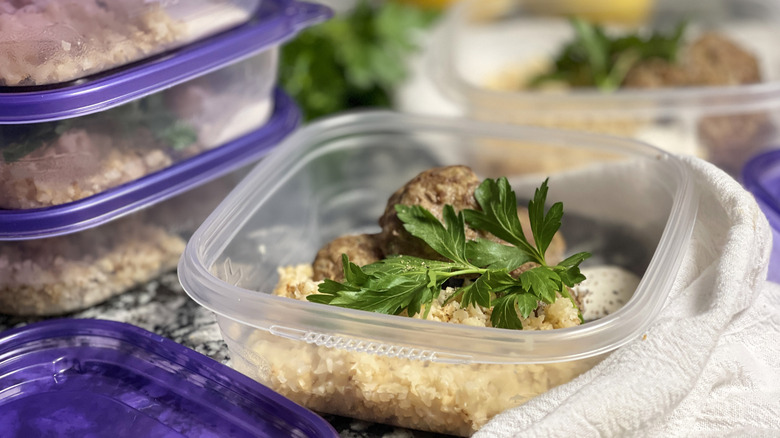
95, 378
48, 42
480, 65
62, 144
69, 257
761, 176
629, 204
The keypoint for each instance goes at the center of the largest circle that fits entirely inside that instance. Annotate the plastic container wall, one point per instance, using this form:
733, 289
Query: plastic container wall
482, 61
48, 42
629, 204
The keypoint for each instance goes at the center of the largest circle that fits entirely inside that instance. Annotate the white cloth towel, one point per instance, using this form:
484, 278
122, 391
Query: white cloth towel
708, 366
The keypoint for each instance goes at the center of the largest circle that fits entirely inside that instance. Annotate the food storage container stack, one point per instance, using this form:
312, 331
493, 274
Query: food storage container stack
103, 378
722, 103
761, 176
629, 204
176, 95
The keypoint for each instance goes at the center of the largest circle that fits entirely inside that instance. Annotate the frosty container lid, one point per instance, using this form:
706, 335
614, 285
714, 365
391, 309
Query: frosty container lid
275, 22
151, 189
104, 378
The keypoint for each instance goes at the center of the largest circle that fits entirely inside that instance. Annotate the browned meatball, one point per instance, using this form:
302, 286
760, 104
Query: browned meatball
432, 189
711, 60
361, 249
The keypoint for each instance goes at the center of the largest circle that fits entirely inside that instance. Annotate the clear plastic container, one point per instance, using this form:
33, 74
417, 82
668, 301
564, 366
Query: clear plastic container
481, 63
70, 257
64, 144
90, 378
761, 176
48, 42
629, 204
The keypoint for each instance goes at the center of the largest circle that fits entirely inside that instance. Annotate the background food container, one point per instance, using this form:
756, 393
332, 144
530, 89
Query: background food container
629, 204
478, 64
103, 378
72, 256
761, 176
48, 42
63, 144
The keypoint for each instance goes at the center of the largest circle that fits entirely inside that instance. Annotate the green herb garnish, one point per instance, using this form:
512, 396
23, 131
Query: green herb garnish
404, 283
18, 141
353, 60
594, 59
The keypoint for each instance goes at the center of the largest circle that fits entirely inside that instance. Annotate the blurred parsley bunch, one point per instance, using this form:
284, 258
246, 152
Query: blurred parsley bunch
353, 60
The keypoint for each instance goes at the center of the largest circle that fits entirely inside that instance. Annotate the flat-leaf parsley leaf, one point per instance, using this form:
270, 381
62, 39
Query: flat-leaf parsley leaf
404, 283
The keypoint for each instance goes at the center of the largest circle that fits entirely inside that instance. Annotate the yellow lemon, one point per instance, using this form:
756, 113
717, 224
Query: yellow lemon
628, 12
430, 4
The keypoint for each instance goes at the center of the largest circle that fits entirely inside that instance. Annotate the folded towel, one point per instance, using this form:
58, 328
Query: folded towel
708, 366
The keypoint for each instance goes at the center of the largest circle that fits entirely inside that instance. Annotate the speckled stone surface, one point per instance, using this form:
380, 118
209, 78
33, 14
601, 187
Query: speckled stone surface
162, 307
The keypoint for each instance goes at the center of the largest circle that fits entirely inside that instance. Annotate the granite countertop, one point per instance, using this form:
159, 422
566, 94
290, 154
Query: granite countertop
162, 307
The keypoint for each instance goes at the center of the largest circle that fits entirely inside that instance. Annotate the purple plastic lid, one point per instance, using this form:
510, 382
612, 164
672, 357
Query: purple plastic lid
275, 22
92, 378
153, 188
761, 176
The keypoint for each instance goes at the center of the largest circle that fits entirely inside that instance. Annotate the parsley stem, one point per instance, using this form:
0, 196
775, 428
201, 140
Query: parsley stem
465, 272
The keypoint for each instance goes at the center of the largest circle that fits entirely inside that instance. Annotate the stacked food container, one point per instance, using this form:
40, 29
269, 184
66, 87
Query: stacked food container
121, 126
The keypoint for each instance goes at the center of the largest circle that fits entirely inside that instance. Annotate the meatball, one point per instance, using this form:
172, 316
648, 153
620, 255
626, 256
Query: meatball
361, 249
712, 60
433, 189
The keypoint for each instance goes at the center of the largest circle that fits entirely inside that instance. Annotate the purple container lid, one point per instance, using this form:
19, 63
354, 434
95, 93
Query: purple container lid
761, 176
153, 188
92, 378
274, 22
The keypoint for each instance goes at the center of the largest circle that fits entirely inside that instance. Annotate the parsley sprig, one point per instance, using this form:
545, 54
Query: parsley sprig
404, 283
595, 59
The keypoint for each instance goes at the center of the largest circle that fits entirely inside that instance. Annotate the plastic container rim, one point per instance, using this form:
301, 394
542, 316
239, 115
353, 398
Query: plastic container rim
621, 327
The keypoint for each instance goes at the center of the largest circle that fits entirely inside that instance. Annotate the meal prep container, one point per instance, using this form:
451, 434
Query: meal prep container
59, 145
47, 42
476, 60
761, 176
72, 256
629, 204
90, 378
